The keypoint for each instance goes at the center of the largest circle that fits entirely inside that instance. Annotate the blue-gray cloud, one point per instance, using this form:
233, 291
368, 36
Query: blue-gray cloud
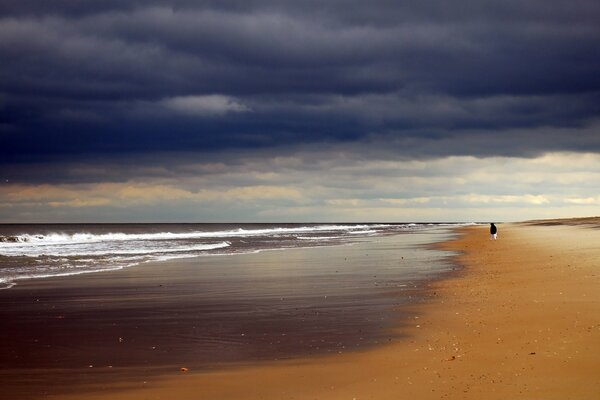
116, 78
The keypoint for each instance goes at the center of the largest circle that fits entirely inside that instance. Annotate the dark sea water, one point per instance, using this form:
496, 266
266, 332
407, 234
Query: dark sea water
41, 251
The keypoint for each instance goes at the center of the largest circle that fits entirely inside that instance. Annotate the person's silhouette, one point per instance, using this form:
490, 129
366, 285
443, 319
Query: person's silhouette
493, 232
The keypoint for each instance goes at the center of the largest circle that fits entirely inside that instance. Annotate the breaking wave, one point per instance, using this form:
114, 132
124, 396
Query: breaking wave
47, 251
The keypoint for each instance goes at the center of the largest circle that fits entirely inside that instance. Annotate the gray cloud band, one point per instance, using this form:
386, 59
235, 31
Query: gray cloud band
114, 78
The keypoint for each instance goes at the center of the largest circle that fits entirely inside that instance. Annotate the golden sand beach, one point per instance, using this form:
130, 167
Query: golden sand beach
520, 320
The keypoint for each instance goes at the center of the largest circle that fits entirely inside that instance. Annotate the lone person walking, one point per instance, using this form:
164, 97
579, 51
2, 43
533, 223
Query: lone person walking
493, 232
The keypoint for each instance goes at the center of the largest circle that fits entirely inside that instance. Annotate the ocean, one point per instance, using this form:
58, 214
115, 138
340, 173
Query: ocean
46, 250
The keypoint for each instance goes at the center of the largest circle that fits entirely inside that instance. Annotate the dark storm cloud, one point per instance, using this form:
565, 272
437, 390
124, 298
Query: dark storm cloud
130, 77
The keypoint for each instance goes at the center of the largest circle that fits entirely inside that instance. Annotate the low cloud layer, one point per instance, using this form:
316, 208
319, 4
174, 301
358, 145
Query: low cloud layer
89, 78
323, 187
204, 105
197, 101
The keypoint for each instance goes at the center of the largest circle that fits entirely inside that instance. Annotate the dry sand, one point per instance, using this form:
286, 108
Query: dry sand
520, 321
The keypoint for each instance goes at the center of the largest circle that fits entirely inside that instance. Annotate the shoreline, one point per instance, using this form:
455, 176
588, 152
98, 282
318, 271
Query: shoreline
519, 320
9, 282
92, 319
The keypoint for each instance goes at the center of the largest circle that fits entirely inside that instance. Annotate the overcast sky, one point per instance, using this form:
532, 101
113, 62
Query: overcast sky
208, 111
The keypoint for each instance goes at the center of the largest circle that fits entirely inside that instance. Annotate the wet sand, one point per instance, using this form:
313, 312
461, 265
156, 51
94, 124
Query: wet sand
521, 320
127, 327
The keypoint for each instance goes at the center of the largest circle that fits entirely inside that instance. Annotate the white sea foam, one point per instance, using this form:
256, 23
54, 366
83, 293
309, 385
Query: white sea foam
318, 237
62, 238
10, 281
74, 250
113, 263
